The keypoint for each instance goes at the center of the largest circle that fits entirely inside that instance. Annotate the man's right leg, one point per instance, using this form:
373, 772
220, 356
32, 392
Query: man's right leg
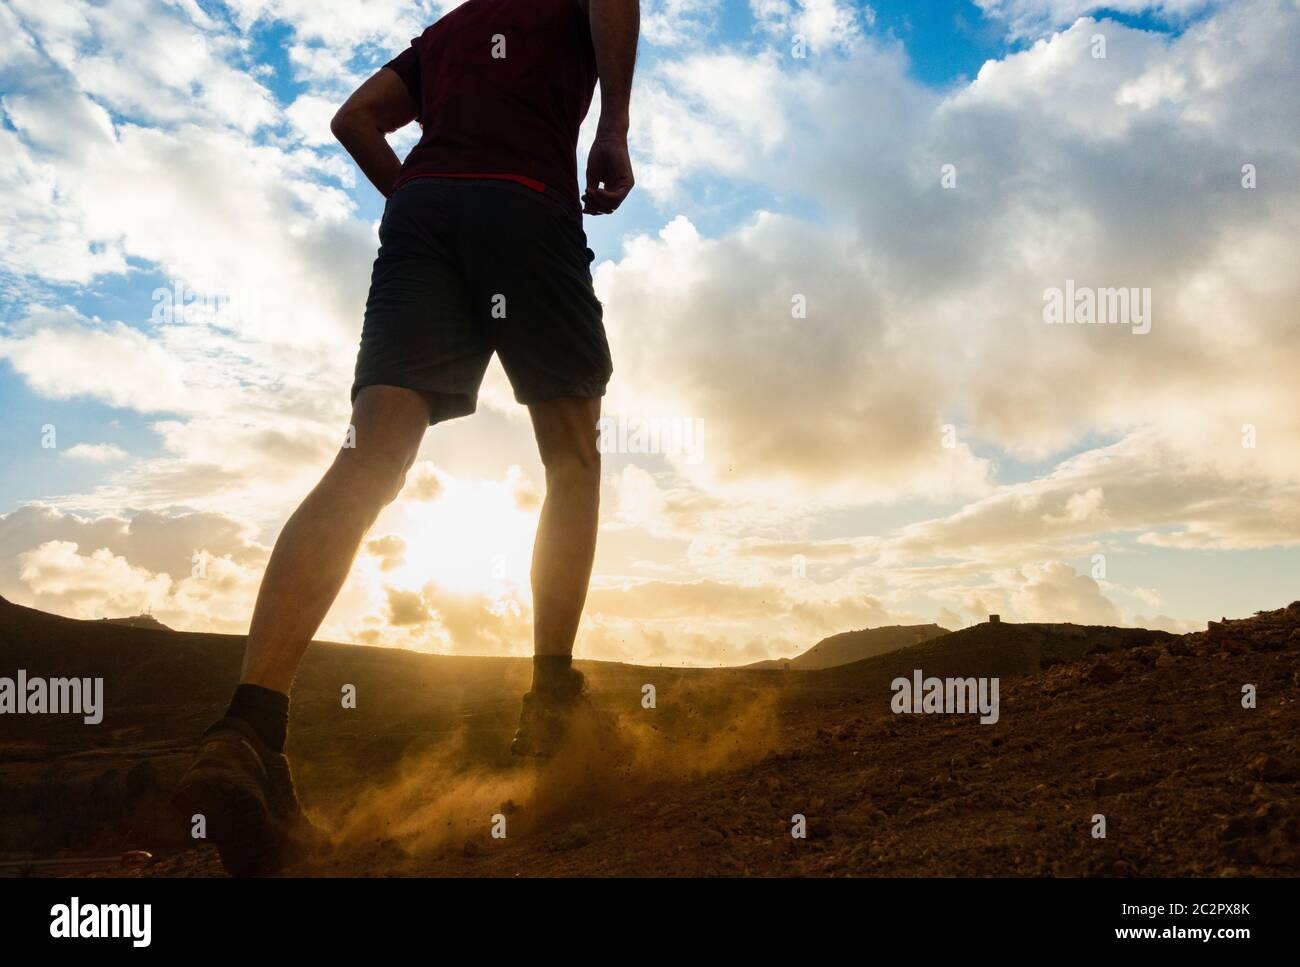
239, 781
567, 440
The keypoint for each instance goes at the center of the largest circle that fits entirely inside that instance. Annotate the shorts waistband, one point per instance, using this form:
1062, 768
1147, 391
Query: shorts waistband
547, 196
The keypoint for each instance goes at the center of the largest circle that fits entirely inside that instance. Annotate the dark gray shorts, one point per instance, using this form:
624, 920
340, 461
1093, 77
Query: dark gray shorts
469, 267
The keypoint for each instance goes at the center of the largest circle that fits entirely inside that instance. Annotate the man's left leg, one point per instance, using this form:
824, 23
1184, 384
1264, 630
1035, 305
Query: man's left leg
239, 780
562, 559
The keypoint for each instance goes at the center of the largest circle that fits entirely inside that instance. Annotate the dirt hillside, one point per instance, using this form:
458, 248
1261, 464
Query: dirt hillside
1145, 729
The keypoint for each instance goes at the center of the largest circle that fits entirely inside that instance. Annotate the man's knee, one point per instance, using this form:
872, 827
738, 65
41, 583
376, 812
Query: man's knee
575, 463
375, 476
388, 424
567, 438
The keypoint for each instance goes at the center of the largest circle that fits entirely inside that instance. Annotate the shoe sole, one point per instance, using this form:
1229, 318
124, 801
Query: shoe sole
544, 739
238, 823
522, 749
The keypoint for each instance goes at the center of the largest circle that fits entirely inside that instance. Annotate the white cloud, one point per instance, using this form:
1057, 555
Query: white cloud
822, 434
1060, 175
63, 355
678, 22
739, 372
1134, 486
169, 73
89, 585
36, 239
95, 452
823, 24
194, 571
310, 116
1030, 18
1053, 592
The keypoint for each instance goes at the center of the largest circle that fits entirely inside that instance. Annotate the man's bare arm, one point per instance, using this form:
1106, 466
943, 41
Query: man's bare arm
376, 109
615, 25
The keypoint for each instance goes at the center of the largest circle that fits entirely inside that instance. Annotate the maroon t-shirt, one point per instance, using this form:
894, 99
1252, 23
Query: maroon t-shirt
503, 86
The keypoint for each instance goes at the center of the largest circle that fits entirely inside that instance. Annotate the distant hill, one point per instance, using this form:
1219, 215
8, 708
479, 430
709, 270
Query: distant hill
139, 621
851, 646
1003, 650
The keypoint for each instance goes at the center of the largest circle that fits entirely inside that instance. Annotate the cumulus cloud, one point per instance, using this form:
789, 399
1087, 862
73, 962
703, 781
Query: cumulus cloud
424, 482
942, 289
89, 585
390, 549
822, 24
868, 421
1029, 18
61, 576
62, 355
95, 452
678, 22
1157, 492
697, 599
1052, 591
406, 608
158, 542
864, 347
310, 116
438, 619
174, 71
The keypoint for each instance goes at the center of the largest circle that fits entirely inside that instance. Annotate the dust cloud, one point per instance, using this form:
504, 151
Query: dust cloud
438, 801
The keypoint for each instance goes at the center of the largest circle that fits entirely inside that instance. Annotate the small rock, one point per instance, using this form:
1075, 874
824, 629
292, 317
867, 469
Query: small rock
1115, 783
819, 829
1269, 768
575, 836
1103, 673
1270, 836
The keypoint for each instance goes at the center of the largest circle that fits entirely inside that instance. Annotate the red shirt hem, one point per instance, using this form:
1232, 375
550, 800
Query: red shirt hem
532, 183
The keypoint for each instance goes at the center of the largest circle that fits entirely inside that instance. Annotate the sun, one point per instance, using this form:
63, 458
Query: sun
473, 536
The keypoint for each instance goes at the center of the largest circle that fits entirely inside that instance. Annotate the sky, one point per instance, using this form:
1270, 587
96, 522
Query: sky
842, 396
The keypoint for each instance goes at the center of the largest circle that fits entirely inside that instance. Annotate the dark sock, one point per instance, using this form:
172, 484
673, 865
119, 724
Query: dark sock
266, 710
552, 673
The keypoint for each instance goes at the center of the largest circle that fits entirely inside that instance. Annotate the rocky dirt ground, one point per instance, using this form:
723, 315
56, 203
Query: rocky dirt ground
1151, 731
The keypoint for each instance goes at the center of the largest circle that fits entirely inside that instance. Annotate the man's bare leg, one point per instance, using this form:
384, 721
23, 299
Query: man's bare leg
315, 551
566, 534
239, 779
562, 559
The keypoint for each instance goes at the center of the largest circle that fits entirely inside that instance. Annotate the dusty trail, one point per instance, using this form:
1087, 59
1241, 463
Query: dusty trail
439, 805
